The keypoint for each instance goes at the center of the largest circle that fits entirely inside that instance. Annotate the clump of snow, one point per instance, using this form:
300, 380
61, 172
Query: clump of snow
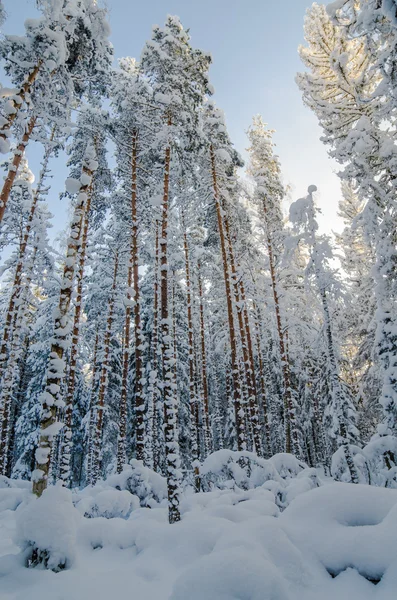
46, 528
72, 185
107, 503
147, 485
346, 526
226, 469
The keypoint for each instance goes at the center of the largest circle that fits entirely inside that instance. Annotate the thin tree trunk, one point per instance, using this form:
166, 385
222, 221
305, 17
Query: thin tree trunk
262, 380
248, 337
66, 449
169, 384
208, 437
16, 286
19, 99
11, 372
20, 398
52, 396
193, 400
153, 378
337, 390
91, 424
104, 377
139, 397
253, 407
13, 170
238, 405
289, 414
132, 276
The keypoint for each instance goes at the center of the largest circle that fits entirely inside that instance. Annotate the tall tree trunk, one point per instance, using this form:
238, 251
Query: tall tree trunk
13, 170
17, 404
11, 372
268, 445
248, 337
104, 378
291, 434
169, 383
193, 400
91, 424
238, 405
132, 277
342, 408
251, 388
52, 396
66, 449
153, 377
17, 283
208, 437
19, 99
139, 341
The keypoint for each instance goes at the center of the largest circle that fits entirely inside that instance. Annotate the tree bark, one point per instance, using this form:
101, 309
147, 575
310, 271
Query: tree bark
52, 396
16, 286
104, 377
238, 406
12, 172
20, 99
252, 400
291, 434
153, 377
91, 424
208, 437
66, 449
194, 425
268, 446
169, 383
132, 279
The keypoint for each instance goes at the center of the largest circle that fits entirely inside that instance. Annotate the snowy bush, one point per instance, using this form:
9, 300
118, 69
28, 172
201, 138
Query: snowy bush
376, 463
226, 469
381, 457
287, 465
147, 485
99, 502
340, 470
46, 529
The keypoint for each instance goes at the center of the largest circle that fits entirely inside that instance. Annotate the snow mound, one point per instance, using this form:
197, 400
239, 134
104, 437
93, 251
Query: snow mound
47, 526
346, 526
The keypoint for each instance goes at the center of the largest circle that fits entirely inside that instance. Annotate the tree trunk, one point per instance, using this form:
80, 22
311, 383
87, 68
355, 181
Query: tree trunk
66, 449
248, 337
268, 447
16, 286
18, 101
91, 424
10, 379
153, 377
337, 390
252, 400
208, 437
52, 396
104, 377
238, 406
169, 383
194, 425
289, 413
139, 341
133, 276
13, 170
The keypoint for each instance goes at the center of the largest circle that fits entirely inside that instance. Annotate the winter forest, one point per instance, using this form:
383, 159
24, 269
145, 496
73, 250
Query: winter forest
195, 381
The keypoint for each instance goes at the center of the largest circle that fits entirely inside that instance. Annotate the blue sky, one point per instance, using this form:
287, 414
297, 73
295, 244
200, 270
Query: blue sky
253, 44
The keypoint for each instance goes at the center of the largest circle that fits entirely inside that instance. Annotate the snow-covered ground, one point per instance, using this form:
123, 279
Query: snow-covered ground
294, 536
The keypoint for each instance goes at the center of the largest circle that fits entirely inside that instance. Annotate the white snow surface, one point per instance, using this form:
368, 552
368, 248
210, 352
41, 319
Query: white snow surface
333, 540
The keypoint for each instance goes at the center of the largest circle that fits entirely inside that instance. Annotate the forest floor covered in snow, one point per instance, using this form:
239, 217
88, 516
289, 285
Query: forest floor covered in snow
292, 535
